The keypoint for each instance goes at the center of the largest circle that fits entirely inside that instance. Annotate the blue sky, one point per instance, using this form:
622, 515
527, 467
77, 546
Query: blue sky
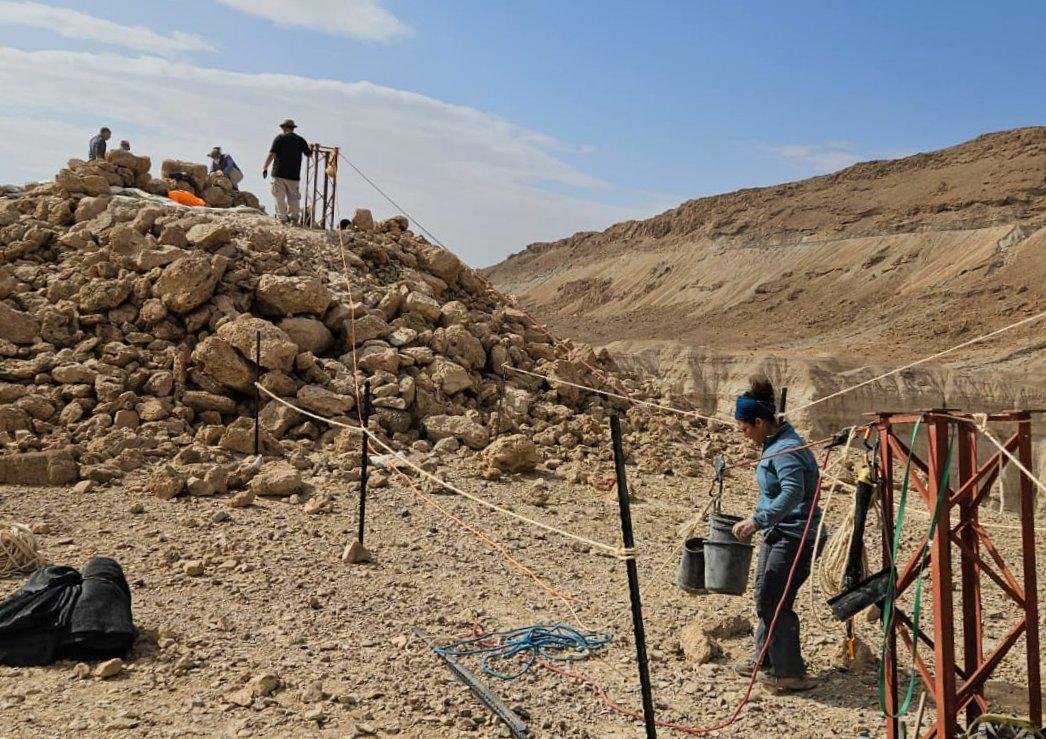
500, 123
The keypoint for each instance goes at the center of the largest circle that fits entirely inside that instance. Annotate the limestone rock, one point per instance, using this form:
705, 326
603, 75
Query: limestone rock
209, 236
188, 282
17, 326
101, 294
449, 376
310, 334
277, 349
52, 467
286, 296
220, 361
423, 305
461, 428
324, 402
460, 345
276, 479
441, 263
514, 453
696, 645
365, 328
363, 220
197, 171
109, 668
165, 482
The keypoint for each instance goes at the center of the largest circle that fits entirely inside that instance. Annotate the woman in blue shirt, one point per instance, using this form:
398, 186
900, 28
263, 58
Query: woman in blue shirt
787, 484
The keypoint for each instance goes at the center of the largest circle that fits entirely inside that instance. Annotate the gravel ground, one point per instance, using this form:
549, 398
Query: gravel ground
274, 598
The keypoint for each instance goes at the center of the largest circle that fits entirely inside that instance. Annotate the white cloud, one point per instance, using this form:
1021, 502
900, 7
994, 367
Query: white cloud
483, 185
73, 24
830, 156
358, 19
816, 157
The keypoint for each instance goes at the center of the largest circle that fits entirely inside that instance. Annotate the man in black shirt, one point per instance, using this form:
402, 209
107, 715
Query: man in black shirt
287, 150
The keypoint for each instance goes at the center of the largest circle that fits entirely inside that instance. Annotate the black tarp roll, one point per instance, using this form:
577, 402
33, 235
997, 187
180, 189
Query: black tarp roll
33, 618
101, 626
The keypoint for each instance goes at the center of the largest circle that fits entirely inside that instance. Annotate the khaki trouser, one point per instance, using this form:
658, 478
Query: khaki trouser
235, 176
287, 197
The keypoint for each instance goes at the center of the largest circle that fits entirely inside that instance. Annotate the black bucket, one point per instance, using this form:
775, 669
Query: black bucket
726, 566
692, 567
868, 592
720, 525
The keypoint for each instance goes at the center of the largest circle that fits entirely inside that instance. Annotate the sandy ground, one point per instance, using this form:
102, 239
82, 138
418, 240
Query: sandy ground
275, 597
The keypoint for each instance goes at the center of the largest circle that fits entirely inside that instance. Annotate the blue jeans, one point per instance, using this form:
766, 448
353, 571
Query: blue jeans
776, 554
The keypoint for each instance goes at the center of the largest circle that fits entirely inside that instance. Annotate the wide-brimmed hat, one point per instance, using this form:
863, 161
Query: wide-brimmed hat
216, 152
288, 123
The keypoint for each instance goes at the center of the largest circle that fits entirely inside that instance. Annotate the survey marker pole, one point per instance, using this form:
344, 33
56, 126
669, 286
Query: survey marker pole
257, 392
364, 458
633, 578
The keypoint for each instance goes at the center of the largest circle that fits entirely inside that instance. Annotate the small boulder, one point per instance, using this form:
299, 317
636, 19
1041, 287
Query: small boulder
166, 482
188, 282
276, 479
696, 645
279, 295
209, 236
461, 428
514, 453
277, 349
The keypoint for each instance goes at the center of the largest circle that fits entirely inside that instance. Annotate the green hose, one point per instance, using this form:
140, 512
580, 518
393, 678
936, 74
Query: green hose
942, 492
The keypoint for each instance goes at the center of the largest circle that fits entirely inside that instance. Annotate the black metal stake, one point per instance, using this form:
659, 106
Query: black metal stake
633, 579
364, 445
784, 400
257, 392
501, 403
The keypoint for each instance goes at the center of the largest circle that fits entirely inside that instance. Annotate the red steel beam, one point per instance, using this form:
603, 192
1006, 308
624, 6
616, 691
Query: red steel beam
890, 635
1031, 605
973, 645
941, 569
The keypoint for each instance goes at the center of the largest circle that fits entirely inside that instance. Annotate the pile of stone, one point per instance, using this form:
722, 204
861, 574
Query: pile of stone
122, 169
128, 337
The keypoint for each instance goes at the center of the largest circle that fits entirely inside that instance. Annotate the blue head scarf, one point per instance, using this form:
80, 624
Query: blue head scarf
748, 409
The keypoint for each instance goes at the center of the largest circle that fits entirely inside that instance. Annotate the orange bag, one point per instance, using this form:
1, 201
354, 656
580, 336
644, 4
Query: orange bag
185, 198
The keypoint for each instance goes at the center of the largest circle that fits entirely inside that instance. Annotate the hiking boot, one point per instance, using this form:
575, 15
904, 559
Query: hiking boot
744, 669
790, 684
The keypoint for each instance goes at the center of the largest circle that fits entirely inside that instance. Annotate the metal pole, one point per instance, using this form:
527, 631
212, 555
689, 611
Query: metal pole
326, 179
364, 459
633, 579
257, 392
784, 400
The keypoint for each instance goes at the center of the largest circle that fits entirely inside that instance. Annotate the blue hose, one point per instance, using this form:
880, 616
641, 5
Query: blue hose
554, 642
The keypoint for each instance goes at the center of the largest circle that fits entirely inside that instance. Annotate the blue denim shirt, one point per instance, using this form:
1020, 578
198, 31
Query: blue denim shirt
786, 486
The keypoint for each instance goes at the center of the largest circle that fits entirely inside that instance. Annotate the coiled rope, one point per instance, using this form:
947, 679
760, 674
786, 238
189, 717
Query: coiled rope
19, 549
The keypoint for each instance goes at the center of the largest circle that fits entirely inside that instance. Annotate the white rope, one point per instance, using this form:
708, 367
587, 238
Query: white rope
659, 406
921, 361
824, 515
619, 552
19, 548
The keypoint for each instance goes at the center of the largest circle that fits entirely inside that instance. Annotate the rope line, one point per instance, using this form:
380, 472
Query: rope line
636, 401
19, 548
916, 363
619, 552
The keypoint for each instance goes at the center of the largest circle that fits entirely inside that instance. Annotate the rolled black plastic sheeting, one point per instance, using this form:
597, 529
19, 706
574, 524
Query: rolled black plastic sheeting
101, 626
34, 618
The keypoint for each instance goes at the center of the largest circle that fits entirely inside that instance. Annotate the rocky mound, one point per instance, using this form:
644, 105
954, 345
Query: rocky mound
128, 330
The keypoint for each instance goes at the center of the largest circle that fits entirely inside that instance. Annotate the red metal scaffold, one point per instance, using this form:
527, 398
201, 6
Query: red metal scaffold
954, 687
321, 187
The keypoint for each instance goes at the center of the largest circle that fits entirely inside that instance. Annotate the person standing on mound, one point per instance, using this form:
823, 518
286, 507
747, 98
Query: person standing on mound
787, 485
